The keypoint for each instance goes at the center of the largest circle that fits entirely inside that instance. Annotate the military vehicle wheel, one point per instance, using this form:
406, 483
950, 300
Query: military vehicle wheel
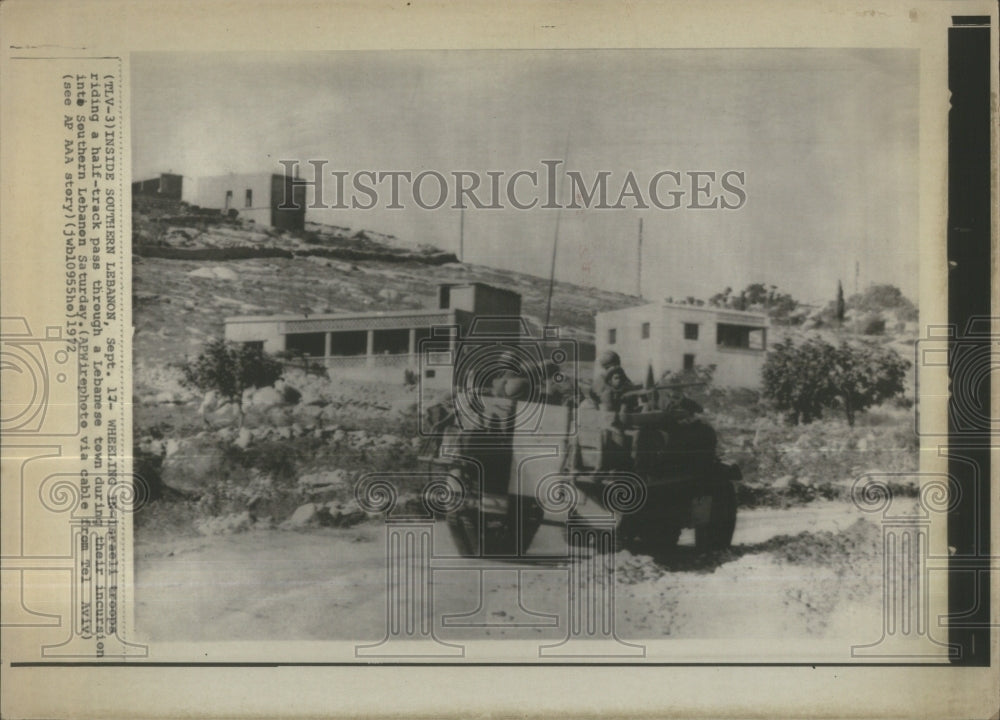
648, 535
499, 535
717, 534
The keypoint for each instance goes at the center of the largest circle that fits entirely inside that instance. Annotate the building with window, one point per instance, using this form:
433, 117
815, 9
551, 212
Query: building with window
674, 336
266, 198
383, 345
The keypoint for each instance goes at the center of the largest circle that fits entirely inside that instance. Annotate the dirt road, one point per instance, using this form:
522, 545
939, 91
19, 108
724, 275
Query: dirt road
328, 584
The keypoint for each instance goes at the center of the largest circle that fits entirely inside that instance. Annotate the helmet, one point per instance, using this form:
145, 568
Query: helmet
608, 359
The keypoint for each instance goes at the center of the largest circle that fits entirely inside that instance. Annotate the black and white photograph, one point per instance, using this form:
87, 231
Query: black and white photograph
605, 359
614, 345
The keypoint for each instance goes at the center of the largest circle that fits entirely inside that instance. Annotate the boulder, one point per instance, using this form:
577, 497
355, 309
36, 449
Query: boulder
308, 515
209, 403
195, 464
326, 480
782, 483
243, 438
346, 514
264, 397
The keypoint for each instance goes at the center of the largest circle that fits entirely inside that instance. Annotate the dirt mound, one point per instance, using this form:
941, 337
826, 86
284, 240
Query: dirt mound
831, 549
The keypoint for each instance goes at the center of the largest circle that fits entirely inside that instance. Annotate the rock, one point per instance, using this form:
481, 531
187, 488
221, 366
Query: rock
193, 465
782, 483
264, 397
172, 446
154, 447
243, 438
303, 515
346, 514
326, 480
307, 515
257, 433
165, 397
339, 435
209, 403
310, 413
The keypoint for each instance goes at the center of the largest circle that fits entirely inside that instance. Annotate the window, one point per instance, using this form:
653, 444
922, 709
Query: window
690, 331
743, 337
612, 336
429, 373
249, 200
688, 361
346, 343
391, 342
312, 344
645, 331
444, 297
254, 345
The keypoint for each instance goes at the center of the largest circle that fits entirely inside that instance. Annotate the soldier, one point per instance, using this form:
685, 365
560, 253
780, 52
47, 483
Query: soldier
609, 388
609, 393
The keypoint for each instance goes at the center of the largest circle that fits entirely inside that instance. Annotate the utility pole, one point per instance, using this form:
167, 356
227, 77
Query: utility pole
461, 234
638, 264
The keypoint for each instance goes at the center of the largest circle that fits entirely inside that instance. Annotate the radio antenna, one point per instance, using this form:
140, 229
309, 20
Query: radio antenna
555, 245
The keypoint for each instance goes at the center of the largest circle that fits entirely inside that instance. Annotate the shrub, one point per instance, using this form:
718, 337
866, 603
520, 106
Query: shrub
873, 324
805, 379
229, 369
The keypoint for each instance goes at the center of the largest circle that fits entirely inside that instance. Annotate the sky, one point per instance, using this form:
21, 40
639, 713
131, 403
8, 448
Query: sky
826, 139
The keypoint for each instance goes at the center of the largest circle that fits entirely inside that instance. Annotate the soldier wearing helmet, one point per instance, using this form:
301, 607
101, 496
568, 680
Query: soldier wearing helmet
610, 386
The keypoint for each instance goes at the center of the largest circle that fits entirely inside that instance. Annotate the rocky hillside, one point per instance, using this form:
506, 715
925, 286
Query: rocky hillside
192, 270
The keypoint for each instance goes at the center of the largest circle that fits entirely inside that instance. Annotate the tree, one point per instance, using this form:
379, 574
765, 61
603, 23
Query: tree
757, 296
841, 306
804, 380
229, 369
866, 375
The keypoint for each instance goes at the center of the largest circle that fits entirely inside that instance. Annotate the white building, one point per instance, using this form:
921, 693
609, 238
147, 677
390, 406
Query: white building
672, 336
265, 198
381, 345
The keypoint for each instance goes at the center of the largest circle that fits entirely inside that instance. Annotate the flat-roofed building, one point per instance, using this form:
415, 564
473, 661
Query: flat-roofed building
381, 345
266, 198
674, 336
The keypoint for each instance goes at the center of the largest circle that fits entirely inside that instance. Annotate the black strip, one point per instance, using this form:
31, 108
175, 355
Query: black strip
969, 229
969, 20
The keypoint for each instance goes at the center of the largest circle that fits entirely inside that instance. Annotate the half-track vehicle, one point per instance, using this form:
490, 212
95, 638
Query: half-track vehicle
560, 467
